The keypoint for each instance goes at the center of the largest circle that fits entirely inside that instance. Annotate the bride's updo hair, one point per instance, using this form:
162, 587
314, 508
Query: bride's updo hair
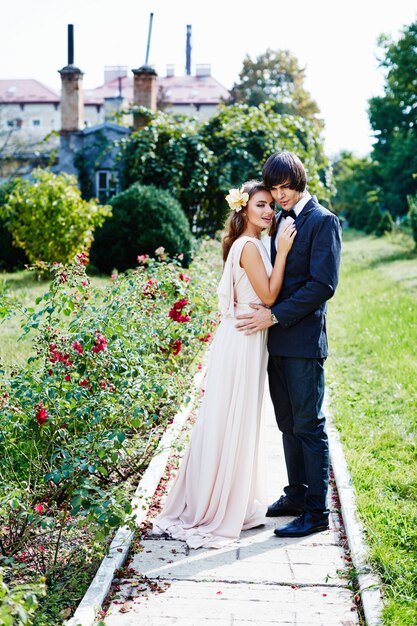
236, 222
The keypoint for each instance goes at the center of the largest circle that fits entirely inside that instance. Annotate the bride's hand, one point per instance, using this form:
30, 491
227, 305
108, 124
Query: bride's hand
286, 238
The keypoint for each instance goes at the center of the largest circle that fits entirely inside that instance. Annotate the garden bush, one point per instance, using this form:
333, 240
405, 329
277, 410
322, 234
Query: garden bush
81, 420
144, 218
48, 219
385, 224
11, 257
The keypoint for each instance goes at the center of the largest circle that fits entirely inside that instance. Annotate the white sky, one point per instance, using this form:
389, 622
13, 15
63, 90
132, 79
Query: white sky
335, 41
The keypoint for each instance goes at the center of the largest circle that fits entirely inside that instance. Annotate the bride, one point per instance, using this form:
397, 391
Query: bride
219, 489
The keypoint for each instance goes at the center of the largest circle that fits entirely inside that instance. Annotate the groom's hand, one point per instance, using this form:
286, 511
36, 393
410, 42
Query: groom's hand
258, 320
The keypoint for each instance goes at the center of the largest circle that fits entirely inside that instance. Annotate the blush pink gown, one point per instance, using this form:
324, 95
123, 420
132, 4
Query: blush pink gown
220, 488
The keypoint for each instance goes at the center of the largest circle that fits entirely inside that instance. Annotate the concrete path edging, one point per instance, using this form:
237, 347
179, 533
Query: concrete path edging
368, 582
86, 612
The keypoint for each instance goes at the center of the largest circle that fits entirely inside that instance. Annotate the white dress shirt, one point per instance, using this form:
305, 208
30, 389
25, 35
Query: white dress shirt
297, 208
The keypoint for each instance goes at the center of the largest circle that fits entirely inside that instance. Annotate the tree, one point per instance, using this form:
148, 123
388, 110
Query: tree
48, 219
169, 153
241, 138
393, 118
373, 221
276, 75
357, 191
199, 162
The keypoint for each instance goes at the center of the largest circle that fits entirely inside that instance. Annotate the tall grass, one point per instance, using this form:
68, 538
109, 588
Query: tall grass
372, 376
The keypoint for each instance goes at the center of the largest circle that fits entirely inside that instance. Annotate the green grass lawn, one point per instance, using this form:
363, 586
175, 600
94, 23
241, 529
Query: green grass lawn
372, 379
24, 286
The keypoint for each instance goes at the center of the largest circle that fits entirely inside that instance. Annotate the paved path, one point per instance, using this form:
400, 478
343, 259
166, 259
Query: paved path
258, 581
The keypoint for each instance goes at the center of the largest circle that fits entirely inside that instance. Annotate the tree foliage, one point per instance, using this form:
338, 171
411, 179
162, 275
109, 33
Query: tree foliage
241, 137
357, 192
276, 75
48, 219
198, 163
170, 154
393, 117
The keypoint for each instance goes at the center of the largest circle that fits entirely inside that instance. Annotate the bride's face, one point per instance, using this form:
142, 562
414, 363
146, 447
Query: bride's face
260, 210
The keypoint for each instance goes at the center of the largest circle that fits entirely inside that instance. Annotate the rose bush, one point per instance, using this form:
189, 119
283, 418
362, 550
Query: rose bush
81, 420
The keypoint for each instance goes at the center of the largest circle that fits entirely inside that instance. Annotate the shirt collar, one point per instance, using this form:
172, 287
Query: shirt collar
297, 208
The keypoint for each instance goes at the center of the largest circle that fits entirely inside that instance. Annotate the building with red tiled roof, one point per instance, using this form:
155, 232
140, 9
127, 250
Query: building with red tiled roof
31, 110
30, 106
198, 94
26, 91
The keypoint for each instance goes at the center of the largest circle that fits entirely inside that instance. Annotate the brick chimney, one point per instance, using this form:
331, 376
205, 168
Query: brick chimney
72, 97
144, 93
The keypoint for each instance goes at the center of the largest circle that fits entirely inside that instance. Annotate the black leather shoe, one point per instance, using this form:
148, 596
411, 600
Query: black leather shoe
284, 506
303, 525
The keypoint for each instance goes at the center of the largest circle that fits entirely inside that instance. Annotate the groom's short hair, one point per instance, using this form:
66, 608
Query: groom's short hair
284, 167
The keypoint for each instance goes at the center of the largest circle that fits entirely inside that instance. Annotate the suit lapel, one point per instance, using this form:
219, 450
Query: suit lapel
300, 219
311, 204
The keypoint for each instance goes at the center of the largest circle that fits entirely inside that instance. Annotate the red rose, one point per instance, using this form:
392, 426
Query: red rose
82, 258
99, 344
41, 415
176, 347
78, 347
180, 304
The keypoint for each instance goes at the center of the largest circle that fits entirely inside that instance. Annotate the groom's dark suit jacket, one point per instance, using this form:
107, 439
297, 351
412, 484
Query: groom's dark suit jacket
310, 279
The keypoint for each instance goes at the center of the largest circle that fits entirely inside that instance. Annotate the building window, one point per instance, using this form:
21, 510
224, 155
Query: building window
16, 123
107, 184
36, 122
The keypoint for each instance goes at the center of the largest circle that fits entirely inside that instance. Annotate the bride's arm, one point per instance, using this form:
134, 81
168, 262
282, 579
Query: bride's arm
267, 288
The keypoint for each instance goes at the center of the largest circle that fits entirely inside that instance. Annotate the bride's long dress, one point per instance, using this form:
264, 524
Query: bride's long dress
220, 487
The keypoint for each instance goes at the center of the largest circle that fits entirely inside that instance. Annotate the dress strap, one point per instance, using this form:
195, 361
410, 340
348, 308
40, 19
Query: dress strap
225, 289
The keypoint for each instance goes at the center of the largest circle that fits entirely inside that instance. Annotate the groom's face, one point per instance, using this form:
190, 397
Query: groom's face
285, 196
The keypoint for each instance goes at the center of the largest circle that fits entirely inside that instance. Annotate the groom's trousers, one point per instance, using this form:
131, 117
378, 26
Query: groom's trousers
297, 391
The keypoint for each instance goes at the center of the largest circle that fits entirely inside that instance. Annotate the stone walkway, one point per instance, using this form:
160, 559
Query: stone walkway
258, 581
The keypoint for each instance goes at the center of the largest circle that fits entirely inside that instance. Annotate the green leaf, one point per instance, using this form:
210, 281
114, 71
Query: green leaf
113, 520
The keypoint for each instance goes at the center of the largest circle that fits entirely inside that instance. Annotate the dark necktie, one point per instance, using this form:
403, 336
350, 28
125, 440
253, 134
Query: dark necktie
290, 213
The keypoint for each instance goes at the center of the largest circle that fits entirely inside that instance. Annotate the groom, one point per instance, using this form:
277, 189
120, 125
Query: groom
297, 344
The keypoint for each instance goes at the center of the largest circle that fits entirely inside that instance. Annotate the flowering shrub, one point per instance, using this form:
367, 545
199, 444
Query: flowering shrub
80, 422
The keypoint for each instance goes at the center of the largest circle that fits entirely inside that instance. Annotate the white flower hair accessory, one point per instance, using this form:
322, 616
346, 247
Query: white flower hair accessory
237, 199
